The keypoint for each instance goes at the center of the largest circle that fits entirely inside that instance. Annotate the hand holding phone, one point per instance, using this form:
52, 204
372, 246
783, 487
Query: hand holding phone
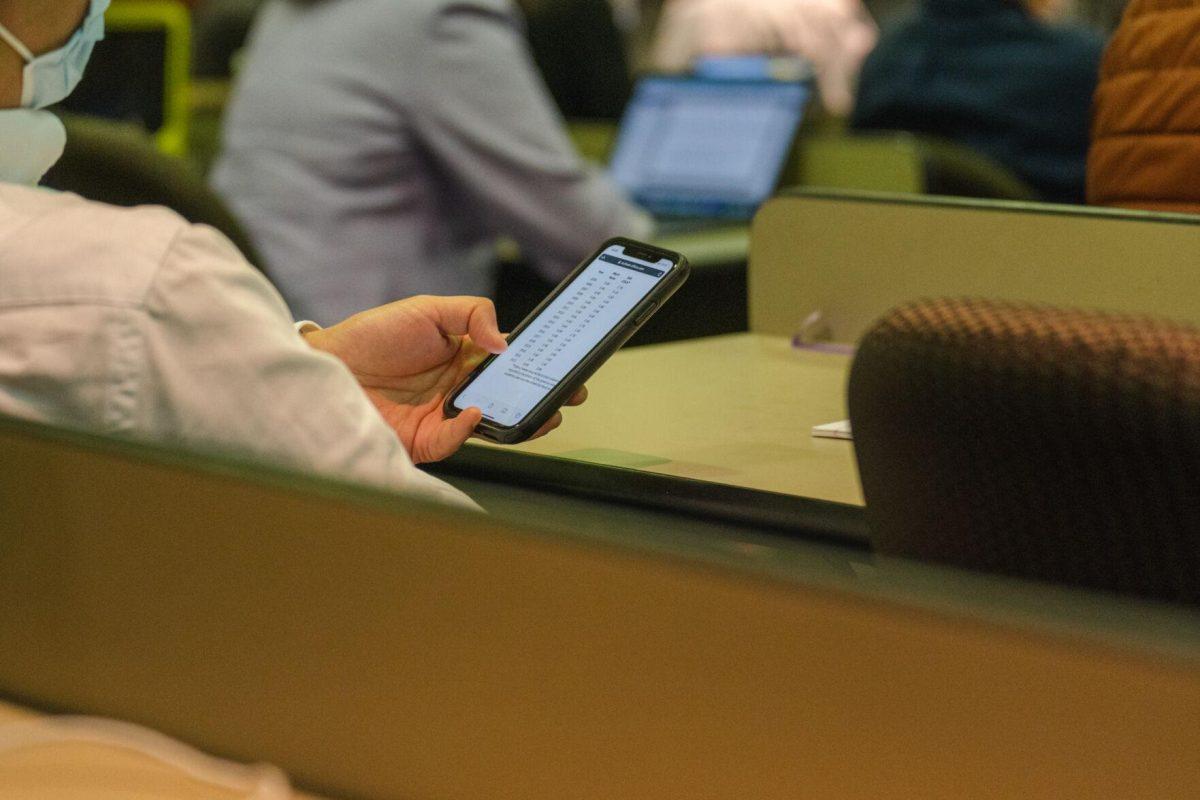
567, 337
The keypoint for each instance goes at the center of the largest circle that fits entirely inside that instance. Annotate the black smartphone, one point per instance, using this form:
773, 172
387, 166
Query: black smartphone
567, 337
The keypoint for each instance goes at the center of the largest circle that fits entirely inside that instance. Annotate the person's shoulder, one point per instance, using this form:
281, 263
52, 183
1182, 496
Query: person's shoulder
432, 9
899, 34
489, 11
458, 27
1072, 48
1083, 41
386, 18
503, 6
402, 30
64, 244
901, 41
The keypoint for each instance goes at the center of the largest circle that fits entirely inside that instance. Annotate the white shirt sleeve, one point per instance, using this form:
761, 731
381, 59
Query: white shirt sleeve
303, 326
226, 370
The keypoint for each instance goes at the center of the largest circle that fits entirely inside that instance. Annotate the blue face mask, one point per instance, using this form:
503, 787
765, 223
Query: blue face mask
52, 76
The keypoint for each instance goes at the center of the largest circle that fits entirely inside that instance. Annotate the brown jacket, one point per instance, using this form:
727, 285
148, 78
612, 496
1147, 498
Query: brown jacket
1145, 149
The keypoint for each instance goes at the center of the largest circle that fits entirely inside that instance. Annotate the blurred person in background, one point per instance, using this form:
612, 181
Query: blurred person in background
132, 322
1145, 151
834, 36
377, 149
579, 49
1004, 77
219, 30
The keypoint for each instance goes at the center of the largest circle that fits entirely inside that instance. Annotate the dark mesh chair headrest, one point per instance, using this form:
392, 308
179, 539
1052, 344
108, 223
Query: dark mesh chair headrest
1047, 443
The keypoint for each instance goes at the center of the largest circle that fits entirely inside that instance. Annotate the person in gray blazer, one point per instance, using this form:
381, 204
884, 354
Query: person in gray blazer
377, 149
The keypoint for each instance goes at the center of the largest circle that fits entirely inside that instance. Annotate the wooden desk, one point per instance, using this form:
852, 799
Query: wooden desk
714, 431
736, 410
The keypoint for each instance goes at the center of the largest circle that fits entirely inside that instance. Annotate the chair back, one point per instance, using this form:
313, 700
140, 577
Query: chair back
114, 162
842, 161
893, 162
594, 139
848, 257
951, 168
1043, 443
900, 162
139, 73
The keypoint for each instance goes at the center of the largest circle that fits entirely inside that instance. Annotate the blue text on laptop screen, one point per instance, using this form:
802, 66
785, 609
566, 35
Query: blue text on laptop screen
706, 147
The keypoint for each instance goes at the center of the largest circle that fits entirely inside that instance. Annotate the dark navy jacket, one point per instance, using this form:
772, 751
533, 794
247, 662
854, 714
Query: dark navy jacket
985, 73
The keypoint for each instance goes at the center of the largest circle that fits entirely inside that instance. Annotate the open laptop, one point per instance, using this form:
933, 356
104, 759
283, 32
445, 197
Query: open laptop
699, 151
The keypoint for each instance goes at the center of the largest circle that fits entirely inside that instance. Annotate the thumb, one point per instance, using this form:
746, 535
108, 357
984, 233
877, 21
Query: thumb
483, 329
475, 316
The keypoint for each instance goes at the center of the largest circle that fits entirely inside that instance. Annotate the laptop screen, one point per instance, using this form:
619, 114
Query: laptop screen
697, 147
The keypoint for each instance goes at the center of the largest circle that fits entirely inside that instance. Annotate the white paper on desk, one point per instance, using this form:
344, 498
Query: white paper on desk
833, 430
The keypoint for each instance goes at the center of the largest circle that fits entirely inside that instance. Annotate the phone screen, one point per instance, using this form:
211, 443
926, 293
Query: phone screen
562, 335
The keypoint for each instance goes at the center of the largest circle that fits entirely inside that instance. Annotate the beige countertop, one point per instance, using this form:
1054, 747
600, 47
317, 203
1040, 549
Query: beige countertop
736, 409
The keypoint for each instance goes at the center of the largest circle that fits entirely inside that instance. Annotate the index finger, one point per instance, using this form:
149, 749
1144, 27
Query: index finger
474, 316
